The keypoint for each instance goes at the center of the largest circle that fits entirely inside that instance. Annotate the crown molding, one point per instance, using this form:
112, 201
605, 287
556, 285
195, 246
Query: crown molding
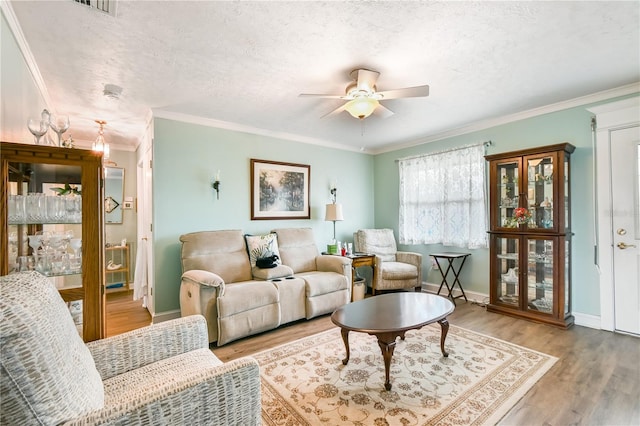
187, 118
16, 29
628, 89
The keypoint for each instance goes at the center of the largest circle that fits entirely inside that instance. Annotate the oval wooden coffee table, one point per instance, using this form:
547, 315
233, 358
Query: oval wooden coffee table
390, 316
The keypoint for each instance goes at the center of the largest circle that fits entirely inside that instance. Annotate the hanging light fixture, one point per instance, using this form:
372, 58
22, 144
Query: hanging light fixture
100, 145
361, 107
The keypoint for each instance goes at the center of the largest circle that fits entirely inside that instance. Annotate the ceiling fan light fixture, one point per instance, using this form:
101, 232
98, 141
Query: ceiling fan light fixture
361, 107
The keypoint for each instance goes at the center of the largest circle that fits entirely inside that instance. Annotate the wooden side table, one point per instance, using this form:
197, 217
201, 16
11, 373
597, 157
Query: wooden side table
450, 257
358, 260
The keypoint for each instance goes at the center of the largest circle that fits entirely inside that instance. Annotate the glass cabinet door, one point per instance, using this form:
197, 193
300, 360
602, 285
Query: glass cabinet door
540, 274
44, 217
52, 222
508, 177
507, 287
540, 190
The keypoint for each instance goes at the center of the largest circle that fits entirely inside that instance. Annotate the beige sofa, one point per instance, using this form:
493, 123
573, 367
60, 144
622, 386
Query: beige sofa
239, 300
164, 374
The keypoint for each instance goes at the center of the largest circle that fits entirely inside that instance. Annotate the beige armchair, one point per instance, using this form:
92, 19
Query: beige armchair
393, 269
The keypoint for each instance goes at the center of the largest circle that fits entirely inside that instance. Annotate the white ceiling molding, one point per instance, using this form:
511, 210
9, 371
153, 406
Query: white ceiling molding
16, 29
208, 122
486, 124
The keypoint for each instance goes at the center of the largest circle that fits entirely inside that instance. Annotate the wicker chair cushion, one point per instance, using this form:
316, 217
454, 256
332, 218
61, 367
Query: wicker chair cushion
48, 375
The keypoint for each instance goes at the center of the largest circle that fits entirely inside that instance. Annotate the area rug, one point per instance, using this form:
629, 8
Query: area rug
305, 383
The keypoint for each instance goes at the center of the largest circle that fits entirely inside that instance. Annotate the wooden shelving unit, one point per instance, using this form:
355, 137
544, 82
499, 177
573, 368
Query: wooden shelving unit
117, 279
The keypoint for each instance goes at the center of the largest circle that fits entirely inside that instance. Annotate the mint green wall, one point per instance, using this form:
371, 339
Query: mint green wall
571, 125
187, 156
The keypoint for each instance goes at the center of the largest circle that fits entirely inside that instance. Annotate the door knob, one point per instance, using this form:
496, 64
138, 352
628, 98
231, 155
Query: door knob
625, 246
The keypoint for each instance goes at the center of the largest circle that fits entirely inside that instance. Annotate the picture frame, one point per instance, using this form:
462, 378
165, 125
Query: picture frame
279, 190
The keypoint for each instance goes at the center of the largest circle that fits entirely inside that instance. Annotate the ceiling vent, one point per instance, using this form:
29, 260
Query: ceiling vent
106, 6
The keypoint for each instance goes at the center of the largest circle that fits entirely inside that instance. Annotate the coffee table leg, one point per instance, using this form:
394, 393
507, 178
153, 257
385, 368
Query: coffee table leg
444, 325
345, 339
387, 346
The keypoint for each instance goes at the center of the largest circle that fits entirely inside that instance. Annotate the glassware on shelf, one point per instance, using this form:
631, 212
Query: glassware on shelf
73, 205
59, 124
76, 261
56, 209
38, 127
35, 242
35, 206
25, 263
15, 207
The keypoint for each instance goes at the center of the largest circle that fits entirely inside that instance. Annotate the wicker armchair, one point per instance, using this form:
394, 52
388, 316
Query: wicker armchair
163, 374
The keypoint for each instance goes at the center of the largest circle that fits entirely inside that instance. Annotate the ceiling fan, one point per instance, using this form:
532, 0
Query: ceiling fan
363, 97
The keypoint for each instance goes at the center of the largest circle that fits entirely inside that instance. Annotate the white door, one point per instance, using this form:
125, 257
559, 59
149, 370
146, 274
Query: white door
616, 170
625, 190
145, 222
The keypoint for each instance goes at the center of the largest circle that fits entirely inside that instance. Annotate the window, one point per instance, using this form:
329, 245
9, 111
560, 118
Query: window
442, 198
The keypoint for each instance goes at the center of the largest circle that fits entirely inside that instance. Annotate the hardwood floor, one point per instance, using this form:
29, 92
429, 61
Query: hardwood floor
125, 314
596, 380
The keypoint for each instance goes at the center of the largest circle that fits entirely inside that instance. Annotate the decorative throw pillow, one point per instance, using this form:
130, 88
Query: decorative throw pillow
260, 246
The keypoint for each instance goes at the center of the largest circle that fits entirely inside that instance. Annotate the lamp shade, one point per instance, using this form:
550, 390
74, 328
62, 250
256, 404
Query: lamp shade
361, 107
333, 212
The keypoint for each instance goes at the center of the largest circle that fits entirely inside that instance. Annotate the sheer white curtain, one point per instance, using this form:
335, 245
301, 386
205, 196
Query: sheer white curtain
442, 198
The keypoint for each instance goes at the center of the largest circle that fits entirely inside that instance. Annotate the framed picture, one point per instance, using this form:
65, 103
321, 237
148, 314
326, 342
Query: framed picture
279, 190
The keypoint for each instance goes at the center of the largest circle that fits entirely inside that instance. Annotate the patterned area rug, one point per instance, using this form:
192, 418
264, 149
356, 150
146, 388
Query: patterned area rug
305, 383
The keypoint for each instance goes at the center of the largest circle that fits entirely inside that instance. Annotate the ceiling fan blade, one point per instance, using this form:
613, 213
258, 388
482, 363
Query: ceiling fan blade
313, 95
407, 92
366, 80
336, 111
382, 111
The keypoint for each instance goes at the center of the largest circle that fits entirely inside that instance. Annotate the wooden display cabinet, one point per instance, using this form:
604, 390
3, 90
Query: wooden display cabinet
530, 255
66, 230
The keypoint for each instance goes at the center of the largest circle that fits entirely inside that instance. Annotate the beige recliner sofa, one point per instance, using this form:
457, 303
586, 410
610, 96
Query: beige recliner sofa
239, 300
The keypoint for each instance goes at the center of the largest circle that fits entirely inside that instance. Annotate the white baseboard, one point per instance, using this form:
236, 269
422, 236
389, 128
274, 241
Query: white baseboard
584, 320
472, 296
165, 316
587, 320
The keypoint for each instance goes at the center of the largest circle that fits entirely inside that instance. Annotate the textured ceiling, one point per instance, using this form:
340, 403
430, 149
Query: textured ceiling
243, 64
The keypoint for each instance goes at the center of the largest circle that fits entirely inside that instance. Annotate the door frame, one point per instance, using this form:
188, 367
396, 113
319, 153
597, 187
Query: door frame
609, 118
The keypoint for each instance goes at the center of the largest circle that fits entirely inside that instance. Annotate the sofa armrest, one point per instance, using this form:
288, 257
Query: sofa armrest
134, 349
409, 257
206, 393
331, 263
207, 278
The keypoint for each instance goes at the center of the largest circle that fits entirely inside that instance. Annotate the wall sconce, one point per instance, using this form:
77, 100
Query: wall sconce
216, 184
